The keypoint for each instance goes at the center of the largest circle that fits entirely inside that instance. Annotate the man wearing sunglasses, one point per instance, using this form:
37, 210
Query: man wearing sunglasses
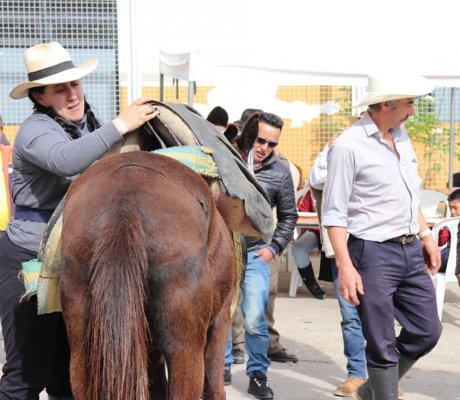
274, 175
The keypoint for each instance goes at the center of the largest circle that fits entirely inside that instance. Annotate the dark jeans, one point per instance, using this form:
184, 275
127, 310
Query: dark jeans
37, 352
396, 285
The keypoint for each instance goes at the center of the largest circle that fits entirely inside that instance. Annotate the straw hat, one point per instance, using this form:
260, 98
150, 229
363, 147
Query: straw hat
395, 87
48, 64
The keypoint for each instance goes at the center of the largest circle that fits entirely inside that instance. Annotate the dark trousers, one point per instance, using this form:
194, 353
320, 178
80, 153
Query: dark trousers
37, 352
396, 286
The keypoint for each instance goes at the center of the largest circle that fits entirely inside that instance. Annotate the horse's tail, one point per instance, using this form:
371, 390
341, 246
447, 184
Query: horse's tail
118, 332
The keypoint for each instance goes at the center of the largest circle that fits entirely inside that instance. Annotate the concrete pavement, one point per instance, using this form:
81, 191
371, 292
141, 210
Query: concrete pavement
311, 329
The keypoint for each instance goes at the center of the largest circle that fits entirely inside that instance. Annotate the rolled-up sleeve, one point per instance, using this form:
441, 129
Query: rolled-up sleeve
339, 184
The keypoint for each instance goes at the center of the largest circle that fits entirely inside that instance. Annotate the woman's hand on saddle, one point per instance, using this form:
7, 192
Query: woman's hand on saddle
138, 113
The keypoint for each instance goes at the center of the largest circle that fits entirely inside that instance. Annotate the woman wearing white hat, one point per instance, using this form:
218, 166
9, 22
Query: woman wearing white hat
55, 143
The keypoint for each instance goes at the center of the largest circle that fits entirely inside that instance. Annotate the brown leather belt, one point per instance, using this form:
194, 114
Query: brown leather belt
403, 239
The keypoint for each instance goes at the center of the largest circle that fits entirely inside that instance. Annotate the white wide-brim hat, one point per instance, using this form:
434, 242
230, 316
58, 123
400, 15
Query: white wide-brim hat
48, 64
387, 87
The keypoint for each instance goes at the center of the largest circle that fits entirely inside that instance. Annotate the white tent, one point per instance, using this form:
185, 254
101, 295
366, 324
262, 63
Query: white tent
212, 67
203, 67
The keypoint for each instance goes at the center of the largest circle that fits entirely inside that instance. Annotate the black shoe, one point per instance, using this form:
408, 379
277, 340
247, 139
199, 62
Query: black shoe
227, 375
258, 386
238, 356
283, 356
308, 278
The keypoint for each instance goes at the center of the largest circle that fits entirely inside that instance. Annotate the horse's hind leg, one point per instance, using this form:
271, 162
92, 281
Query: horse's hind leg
74, 311
215, 355
186, 370
183, 344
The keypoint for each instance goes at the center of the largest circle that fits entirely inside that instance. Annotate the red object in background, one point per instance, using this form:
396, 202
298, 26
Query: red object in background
444, 236
308, 205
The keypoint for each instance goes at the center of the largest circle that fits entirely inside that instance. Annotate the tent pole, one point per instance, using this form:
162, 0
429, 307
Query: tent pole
191, 86
133, 70
162, 86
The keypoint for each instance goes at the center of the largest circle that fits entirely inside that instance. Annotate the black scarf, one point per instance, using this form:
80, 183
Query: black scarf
70, 128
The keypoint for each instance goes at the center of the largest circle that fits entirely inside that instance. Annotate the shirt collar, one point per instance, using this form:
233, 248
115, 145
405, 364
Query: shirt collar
371, 129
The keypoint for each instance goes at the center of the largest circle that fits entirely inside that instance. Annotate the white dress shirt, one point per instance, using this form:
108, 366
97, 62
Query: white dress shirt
370, 189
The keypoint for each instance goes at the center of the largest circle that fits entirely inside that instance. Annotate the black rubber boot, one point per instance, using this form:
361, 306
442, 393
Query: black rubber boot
384, 382
405, 364
308, 277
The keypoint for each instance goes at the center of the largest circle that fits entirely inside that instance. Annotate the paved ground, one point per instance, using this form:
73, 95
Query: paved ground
311, 329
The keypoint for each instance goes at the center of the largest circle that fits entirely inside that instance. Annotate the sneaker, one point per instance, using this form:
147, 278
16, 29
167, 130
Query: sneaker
283, 356
238, 356
227, 375
258, 386
349, 387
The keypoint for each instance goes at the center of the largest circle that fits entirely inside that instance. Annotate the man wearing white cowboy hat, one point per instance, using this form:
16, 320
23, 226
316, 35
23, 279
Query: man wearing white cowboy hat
372, 192
60, 139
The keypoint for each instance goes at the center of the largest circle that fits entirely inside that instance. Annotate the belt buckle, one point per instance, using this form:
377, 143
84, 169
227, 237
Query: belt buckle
406, 239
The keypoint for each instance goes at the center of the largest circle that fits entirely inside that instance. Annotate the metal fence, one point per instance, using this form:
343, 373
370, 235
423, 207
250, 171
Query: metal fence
86, 28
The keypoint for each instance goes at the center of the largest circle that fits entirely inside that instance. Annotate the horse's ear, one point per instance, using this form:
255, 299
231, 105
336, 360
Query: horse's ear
249, 133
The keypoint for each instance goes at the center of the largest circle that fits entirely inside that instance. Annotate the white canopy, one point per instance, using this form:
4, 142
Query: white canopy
298, 69
213, 67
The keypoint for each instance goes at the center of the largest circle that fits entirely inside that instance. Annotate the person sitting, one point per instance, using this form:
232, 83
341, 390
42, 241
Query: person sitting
444, 235
303, 246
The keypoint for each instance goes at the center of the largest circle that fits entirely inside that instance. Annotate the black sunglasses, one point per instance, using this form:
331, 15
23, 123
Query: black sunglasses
263, 141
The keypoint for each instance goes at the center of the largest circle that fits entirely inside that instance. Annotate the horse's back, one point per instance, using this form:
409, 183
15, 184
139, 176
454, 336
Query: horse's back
150, 185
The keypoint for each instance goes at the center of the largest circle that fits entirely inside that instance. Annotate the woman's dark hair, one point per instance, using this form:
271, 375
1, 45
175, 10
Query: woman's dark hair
74, 133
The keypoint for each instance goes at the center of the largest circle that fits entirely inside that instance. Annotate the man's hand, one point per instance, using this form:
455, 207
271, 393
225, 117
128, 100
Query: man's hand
431, 254
265, 254
350, 283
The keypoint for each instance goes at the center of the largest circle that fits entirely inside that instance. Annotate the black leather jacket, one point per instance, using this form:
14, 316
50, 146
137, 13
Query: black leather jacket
275, 176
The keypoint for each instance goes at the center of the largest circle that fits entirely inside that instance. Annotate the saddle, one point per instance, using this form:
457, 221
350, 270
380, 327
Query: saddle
241, 200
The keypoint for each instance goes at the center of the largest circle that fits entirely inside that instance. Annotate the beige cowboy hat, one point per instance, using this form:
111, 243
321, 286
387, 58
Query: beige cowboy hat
395, 87
48, 64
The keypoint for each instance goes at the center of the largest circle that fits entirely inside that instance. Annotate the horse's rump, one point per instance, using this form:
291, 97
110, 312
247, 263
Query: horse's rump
143, 246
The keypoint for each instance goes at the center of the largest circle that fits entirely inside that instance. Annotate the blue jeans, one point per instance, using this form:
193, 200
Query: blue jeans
352, 334
254, 289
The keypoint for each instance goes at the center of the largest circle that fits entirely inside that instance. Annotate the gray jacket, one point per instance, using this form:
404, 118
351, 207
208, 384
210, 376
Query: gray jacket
45, 161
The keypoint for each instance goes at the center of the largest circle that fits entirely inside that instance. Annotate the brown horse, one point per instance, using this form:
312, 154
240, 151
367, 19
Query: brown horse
148, 278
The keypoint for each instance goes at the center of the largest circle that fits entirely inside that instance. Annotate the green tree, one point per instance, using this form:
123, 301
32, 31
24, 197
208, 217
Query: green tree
426, 129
